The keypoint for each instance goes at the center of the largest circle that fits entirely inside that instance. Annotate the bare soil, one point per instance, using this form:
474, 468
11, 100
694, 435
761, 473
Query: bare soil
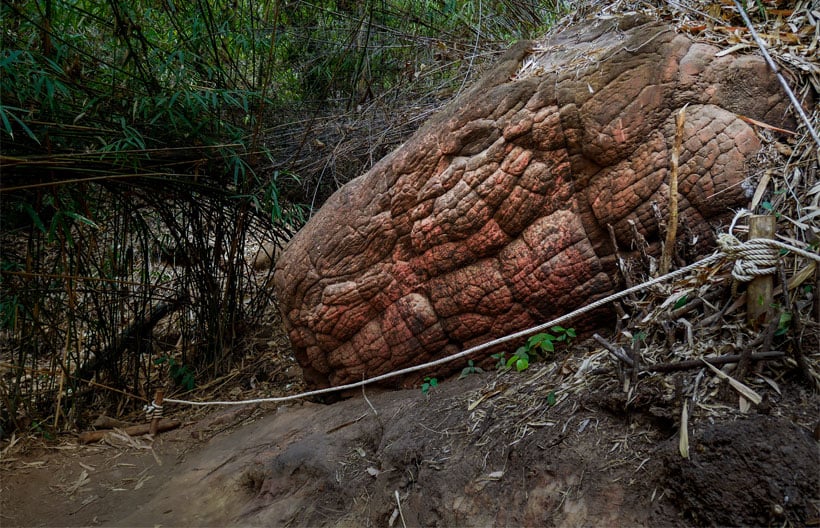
487, 450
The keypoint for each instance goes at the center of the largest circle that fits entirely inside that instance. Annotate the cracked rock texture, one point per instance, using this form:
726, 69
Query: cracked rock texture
494, 216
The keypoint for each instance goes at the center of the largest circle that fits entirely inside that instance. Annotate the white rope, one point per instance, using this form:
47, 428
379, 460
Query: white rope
755, 258
152, 410
745, 251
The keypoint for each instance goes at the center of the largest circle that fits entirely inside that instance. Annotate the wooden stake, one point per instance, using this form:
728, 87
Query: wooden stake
155, 421
759, 292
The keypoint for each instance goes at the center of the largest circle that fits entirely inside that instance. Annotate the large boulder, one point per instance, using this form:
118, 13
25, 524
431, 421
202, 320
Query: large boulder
494, 216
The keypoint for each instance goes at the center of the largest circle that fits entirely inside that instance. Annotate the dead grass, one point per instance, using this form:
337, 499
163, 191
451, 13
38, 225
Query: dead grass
654, 361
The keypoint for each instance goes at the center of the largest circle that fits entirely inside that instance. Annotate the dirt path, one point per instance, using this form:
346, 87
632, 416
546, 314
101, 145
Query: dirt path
462, 455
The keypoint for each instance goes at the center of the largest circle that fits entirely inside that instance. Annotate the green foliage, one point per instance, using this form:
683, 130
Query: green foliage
9, 306
144, 75
182, 375
784, 321
520, 359
429, 383
470, 369
143, 147
783, 324
769, 208
40, 428
127, 76
537, 346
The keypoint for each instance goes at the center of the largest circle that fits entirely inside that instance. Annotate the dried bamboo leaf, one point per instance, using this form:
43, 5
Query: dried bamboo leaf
141, 482
744, 405
476, 403
762, 186
683, 445
748, 393
811, 211
81, 481
802, 276
772, 383
736, 47
761, 124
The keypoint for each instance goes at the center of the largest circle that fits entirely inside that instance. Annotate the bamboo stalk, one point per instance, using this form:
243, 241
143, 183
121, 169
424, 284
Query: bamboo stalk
672, 225
87, 437
696, 363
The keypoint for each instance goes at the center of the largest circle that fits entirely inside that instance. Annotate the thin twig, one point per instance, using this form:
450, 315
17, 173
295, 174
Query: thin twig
375, 413
398, 503
760, 44
621, 263
636, 360
618, 352
797, 350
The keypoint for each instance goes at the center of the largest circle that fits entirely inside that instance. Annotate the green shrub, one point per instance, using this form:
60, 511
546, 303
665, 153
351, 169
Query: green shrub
537, 346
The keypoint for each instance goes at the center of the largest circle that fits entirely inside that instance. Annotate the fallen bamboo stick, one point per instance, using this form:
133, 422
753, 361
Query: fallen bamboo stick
697, 363
88, 437
720, 360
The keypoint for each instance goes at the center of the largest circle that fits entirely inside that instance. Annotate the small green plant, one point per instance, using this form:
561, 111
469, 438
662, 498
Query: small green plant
470, 369
539, 345
521, 360
767, 206
37, 427
428, 384
182, 375
783, 324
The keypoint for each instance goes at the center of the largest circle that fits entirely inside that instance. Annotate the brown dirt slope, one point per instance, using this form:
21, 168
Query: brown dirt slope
464, 455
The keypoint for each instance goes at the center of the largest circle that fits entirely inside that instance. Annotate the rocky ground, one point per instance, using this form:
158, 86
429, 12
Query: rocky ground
557, 445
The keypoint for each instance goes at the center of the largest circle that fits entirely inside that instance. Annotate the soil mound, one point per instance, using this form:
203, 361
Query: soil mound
488, 450
747, 473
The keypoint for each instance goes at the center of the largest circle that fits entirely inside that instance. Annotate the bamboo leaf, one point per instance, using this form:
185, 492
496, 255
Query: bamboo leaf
747, 393
683, 444
82, 219
38, 222
4, 116
6, 124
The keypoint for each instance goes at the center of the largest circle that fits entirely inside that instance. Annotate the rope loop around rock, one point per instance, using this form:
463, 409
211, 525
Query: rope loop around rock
754, 258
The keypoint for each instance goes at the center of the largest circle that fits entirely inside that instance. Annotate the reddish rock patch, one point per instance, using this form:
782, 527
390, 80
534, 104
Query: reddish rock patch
495, 215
